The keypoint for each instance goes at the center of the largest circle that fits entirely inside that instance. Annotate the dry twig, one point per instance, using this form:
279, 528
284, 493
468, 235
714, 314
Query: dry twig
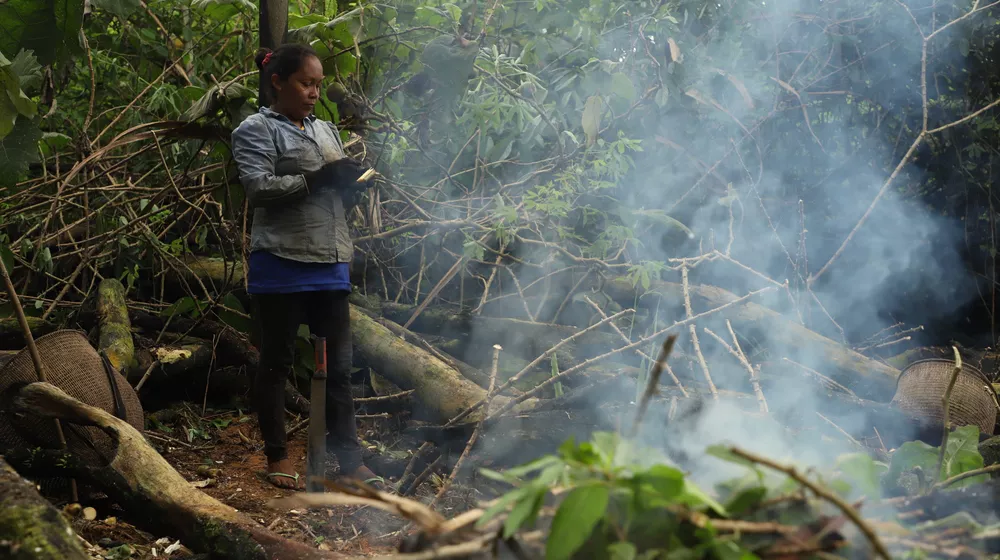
822, 492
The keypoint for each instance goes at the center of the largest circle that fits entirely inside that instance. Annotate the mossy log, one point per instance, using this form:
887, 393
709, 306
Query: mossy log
115, 328
12, 337
222, 273
441, 391
865, 376
30, 528
154, 494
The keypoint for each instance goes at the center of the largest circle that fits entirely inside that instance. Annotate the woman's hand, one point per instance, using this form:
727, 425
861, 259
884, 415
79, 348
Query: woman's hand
342, 175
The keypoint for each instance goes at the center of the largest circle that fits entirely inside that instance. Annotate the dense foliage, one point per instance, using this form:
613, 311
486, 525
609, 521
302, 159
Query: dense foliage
577, 136
841, 151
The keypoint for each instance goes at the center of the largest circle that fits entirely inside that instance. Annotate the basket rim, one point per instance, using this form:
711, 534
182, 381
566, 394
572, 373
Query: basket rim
965, 367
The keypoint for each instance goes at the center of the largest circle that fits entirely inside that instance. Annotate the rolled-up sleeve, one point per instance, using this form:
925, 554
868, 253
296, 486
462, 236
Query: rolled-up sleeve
255, 155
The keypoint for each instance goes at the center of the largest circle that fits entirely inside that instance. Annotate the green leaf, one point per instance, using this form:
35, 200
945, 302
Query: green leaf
693, 496
592, 119
215, 99
961, 455
43, 259
222, 10
121, 8
337, 30
863, 473
668, 482
18, 150
180, 308
606, 445
662, 97
525, 510
13, 101
232, 319
536, 465
8, 256
621, 551
621, 85
746, 499
575, 519
28, 70
52, 142
723, 452
50, 28
501, 504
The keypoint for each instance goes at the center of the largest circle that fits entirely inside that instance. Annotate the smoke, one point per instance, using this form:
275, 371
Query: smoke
798, 194
781, 122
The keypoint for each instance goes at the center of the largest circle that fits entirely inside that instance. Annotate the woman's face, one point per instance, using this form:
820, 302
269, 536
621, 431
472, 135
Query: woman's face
297, 95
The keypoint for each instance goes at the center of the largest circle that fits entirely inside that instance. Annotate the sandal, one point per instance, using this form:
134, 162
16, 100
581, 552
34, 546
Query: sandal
271, 476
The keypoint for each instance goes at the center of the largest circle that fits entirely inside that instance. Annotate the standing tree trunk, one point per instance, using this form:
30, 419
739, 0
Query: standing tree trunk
273, 25
30, 528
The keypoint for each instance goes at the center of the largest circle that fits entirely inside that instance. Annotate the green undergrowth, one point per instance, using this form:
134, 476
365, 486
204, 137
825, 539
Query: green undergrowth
617, 499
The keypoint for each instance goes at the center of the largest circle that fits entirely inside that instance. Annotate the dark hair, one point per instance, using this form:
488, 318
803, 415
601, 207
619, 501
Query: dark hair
284, 61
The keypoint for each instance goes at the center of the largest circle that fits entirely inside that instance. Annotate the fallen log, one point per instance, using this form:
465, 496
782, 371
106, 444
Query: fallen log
151, 491
30, 528
12, 337
115, 328
867, 377
440, 390
232, 349
479, 333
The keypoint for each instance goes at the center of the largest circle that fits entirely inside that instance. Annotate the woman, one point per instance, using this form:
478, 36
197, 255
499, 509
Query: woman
300, 185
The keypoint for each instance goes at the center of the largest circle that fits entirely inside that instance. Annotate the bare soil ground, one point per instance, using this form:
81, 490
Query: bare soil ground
230, 466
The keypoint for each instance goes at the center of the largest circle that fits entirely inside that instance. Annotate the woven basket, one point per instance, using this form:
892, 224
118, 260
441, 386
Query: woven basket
923, 384
73, 365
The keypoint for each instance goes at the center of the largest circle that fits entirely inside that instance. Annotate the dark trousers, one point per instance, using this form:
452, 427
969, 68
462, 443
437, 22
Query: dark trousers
278, 318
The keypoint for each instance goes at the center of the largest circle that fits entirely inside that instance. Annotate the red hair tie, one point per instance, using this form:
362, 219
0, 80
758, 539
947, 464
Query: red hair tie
267, 58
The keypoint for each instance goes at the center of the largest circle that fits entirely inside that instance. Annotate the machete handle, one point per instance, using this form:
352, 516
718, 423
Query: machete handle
319, 345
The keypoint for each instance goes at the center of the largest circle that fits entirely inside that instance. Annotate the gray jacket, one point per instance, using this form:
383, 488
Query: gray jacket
272, 154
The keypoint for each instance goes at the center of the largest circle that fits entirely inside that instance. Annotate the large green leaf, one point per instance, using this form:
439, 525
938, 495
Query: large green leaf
28, 71
863, 473
592, 119
50, 28
575, 519
339, 30
13, 102
120, 8
622, 86
221, 10
52, 142
18, 150
961, 455
215, 99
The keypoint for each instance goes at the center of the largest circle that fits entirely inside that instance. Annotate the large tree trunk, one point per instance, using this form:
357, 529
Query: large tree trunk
149, 488
30, 528
866, 377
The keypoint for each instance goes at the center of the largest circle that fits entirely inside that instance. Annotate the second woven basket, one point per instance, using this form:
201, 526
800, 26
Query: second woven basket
921, 387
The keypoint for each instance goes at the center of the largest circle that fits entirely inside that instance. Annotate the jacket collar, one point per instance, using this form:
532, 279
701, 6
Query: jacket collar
267, 112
